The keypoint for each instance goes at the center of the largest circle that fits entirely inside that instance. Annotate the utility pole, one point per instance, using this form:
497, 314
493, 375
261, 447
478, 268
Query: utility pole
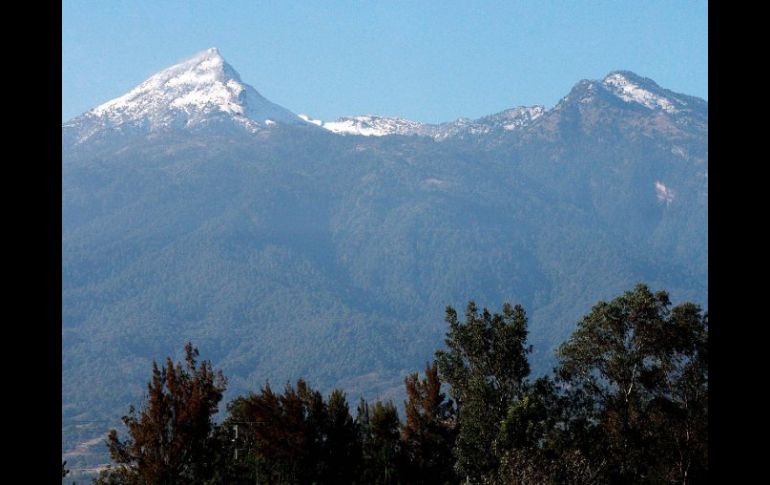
235, 440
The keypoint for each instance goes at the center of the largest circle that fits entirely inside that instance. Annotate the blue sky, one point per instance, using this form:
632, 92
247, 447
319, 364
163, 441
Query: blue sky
429, 61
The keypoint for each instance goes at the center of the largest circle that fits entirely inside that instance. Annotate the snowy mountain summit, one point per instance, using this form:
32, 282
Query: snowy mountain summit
201, 91
634, 89
374, 125
205, 92
634, 95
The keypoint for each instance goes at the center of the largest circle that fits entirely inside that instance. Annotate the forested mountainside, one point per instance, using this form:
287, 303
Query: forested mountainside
193, 209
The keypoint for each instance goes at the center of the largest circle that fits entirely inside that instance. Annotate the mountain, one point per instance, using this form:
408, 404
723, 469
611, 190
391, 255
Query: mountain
204, 92
373, 125
195, 209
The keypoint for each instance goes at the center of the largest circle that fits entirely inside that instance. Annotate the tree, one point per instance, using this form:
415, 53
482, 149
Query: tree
537, 436
429, 431
342, 451
283, 431
641, 368
294, 437
168, 439
485, 364
230, 461
382, 453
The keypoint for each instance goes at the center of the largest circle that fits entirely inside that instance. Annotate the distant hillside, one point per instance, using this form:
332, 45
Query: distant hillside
283, 249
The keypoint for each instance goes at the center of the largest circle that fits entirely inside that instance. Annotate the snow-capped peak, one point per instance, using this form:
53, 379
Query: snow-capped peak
632, 89
205, 79
201, 90
375, 125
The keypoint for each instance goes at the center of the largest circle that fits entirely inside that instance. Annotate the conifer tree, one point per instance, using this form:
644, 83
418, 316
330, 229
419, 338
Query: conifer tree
283, 431
382, 452
342, 451
296, 436
429, 430
168, 438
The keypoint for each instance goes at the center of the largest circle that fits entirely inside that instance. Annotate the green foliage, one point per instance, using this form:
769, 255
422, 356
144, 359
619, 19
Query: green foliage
535, 443
628, 403
382, 451
230, 462
342, 450
485, 364
643, 366
530, 418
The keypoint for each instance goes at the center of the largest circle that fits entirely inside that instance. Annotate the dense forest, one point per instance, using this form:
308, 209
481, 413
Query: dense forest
626, 403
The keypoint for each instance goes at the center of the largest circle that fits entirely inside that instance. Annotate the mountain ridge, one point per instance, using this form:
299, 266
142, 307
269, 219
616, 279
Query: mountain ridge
292, 251
215, 92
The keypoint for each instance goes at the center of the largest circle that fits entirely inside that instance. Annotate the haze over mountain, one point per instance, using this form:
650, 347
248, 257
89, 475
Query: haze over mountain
195, 209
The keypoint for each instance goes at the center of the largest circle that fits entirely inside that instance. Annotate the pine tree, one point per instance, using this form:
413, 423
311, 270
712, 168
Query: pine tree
295, 437
168, 439
429, 430
342, 450
382, 453
280, 434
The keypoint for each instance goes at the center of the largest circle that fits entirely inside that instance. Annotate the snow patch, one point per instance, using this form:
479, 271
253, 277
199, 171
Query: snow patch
632, 93
434, 183
664, 194
679, 152
522, 116
310, 120
372, 125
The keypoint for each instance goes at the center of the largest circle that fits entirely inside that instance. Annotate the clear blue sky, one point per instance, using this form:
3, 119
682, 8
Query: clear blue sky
424, 60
